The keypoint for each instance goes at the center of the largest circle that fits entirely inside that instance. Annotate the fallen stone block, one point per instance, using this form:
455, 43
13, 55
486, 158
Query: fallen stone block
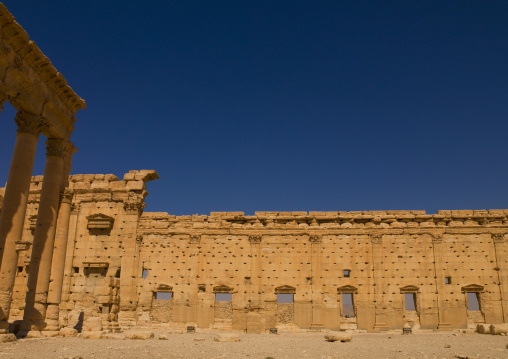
68, 332
227, 338
5, 338
483, 328
91, 335
163, 337
338, 337
50, 333
139, 335
497, 329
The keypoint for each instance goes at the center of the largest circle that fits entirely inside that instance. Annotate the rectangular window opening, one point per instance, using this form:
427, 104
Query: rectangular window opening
164, 295
285, 298
348, 309
473, 301
223, 297
144, 275
76, 270
20, 269
448, 280
347, 273
410, 301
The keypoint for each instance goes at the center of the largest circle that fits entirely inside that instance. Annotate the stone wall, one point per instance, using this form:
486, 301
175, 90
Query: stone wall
377, 256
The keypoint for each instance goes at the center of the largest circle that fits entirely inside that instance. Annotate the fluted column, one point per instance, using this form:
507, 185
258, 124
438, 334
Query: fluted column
43, 244
12, 216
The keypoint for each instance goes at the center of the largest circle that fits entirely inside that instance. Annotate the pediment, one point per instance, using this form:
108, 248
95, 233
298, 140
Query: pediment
472, 288
410, 289
100, 221
163, 288
222, 289
347, 289
285, 289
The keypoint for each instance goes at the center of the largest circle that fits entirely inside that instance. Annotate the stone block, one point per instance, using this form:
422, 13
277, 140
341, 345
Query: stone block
338, 336
228, 337
139, 335
5, 338
91, 335
92, 324
68, 332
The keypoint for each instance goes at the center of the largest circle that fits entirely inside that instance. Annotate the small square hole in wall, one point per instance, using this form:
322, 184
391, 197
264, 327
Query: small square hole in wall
448, 280
20, 269
347, 273
75, 270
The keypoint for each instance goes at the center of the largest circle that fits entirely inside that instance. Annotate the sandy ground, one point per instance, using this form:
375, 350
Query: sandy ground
298, 345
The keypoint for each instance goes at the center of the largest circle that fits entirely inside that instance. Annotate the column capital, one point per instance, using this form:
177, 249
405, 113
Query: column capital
498, 237
376, 238
58, 147
66, 196
254, 239
315, 238
437, 238
29, 123
195, 238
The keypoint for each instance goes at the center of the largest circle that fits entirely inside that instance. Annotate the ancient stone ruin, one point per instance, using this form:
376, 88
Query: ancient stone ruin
78, 253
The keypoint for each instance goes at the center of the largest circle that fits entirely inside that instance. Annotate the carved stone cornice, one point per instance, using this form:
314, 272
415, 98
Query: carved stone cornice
498, 237
30, 123
376, 238
315, 239
57, 147
255, 239
195, 238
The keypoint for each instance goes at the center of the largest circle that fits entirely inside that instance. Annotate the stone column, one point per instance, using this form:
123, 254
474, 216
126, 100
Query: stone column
57, 268
12, 216
442, 310
316, 245
377, 271
42, 251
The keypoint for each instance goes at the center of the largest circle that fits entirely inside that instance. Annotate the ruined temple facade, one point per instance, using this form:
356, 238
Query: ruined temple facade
286, 270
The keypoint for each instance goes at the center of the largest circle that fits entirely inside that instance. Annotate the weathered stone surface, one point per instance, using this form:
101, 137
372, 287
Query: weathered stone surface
4, 338
338, 336
91, 335
68, 332
497, 329
139, 335
228, 337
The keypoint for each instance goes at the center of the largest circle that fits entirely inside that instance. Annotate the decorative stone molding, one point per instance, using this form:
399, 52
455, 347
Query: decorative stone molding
32, 222
255, 239
30, 123
347, 289
376, 238
66, 196
95, 264
285, 289
194, 238
472, 288
498, 237
133, 207
437, 238
22, 246
315, 239
100, 221
57, 147
410, 289
75, 208
222, 289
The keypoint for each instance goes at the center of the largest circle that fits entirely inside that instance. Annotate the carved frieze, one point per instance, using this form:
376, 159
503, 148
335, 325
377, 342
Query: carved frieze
100, 221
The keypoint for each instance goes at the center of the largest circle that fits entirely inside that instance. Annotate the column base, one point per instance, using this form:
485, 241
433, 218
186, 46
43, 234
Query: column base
378, 327
444, 326
316, 327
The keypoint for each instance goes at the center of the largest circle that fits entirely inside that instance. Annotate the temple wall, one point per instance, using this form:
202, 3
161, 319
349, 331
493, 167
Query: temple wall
119, 260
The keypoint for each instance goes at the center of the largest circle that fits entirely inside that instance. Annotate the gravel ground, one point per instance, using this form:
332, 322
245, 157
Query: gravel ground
298, 345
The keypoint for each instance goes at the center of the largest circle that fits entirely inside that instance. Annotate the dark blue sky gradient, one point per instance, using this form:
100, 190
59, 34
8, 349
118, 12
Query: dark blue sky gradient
285, 105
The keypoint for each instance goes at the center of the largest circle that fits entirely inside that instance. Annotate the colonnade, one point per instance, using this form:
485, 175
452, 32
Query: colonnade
50, 236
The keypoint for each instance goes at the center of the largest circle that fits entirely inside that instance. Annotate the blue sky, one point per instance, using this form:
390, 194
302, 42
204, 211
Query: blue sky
285, 105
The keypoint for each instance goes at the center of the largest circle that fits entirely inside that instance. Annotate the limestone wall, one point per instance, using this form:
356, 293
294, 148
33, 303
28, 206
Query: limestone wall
118, 257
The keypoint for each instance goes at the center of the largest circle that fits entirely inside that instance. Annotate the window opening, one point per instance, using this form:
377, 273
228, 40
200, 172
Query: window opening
448, 280
164, 295
76, 270
473, 301
285, 298
347, 273
410, 301
348, 310
144, 274
223, 297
